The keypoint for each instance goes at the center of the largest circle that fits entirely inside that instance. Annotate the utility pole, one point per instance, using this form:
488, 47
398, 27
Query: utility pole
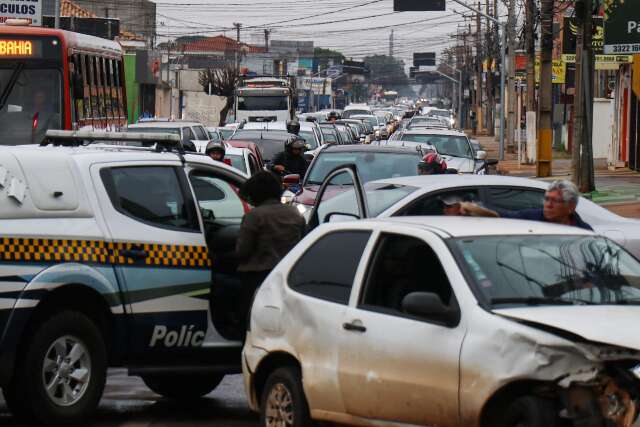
511, 87
490, 60
582, 151
391, 43
266, 39
479, 118
530, 48
545, 108
56, 18
237, 27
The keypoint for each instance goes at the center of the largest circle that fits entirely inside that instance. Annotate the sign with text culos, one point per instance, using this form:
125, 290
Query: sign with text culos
621, 26
21, 9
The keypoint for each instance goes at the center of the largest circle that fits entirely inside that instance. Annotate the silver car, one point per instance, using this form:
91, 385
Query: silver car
448, 322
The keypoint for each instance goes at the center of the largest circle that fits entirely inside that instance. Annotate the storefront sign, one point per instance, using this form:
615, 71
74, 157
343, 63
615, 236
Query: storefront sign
318, 85
559, 75
21, 9
569, 35
621, 26
604, 62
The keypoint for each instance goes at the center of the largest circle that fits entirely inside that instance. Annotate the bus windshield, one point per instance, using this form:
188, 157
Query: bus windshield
30, 103
263, 103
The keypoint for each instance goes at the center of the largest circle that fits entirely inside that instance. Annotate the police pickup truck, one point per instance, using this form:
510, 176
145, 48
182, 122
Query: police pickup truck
107, 253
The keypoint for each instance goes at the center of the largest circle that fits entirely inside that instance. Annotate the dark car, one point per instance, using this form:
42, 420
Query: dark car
270, 142
372, 162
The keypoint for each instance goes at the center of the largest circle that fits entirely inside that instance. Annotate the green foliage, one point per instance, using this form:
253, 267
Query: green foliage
388, 72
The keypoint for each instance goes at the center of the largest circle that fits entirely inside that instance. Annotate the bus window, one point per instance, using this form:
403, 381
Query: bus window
120, 85
88, 114
113, 91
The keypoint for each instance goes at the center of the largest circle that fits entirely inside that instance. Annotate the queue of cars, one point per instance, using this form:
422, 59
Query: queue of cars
386, 313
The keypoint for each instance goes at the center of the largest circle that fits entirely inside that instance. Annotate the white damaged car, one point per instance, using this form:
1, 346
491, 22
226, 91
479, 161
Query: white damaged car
447, 322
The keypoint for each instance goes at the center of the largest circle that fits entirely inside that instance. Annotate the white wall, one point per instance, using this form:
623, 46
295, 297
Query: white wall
602, 131
200, 107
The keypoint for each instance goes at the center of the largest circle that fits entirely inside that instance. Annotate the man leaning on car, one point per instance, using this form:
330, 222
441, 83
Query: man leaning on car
560, 202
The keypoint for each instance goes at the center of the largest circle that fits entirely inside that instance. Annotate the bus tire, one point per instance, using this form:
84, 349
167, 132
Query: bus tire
63, 371
182, 387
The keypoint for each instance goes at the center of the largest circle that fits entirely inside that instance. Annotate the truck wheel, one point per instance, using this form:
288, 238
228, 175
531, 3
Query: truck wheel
62, 376
529, 411
283, 400
182, 387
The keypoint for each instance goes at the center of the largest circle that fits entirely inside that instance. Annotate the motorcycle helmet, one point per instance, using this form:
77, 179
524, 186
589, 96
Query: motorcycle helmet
432, 163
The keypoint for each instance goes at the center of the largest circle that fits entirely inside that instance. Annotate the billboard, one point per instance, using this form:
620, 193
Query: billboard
21, 9
419, 5
426, 59
570, 30
621, 27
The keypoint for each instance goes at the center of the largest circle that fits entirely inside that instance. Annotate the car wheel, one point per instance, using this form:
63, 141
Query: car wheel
529, 411
63, 371
182, 387
283, 401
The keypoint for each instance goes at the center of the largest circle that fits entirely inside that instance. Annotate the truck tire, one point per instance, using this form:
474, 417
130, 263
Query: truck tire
283, 401
529, 411
182, 387
62, 372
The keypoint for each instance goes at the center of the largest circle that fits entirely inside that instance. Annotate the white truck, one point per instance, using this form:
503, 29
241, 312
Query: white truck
265, 99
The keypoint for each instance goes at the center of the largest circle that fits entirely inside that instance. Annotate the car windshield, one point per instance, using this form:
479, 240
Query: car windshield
31, 104
237, 161
440, 113
258, 134
351, 113
330, 135
380, 197
214, 136
227, 132
310, 139
372, 120
544, 270
424, 121
263, 103
371, 165
448, 145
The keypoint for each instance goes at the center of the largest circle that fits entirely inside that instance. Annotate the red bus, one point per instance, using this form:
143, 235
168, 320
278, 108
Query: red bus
55, 79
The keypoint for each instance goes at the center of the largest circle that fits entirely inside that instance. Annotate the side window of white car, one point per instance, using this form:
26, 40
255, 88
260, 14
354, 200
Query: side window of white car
400, 266
201, 134
513, 199
217, 195
432, 204
328, 268
151, 194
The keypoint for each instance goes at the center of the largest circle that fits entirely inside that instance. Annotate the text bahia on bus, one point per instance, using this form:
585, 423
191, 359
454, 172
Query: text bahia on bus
55, 79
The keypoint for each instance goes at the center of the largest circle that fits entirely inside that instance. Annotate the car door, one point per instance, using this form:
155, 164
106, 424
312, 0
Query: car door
394, 366
322, 279
338, 208
160, 257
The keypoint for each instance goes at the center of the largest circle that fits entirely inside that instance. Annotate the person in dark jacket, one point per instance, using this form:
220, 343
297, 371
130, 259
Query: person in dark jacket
291, 160
267, 233
559, 207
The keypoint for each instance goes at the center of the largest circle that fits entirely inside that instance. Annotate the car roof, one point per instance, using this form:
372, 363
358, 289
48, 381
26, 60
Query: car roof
169, 125
456, 226
432, 131
436, 182
357, 148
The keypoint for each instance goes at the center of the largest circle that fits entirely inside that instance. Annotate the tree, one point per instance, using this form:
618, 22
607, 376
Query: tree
324, 56
388, 72
221, 82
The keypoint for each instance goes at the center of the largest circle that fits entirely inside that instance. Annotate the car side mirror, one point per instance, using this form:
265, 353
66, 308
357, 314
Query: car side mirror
481, 155
293, 179
340, 217
428, 305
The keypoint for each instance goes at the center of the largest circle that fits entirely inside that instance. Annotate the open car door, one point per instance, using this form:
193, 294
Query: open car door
330, 207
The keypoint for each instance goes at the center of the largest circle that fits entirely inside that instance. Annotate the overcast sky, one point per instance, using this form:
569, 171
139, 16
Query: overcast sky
312, 20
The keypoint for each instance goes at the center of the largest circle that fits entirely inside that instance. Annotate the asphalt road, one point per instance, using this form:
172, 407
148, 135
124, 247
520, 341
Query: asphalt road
128, 403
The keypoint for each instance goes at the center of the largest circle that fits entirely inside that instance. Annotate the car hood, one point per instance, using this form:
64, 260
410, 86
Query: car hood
309, 193
605, 324
460, 163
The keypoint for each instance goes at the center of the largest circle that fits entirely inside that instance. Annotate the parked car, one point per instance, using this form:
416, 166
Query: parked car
374, 162
194, 135
421, 195
447, 322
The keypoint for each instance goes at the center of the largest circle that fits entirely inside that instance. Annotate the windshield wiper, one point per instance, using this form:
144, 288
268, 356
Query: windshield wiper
10, 84
538, 301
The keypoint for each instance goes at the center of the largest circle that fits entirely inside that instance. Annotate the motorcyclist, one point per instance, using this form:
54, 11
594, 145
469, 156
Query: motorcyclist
216, 151
291, 160
293, 127
432, 164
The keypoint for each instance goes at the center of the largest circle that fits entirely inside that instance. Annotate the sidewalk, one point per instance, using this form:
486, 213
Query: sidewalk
617, 190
